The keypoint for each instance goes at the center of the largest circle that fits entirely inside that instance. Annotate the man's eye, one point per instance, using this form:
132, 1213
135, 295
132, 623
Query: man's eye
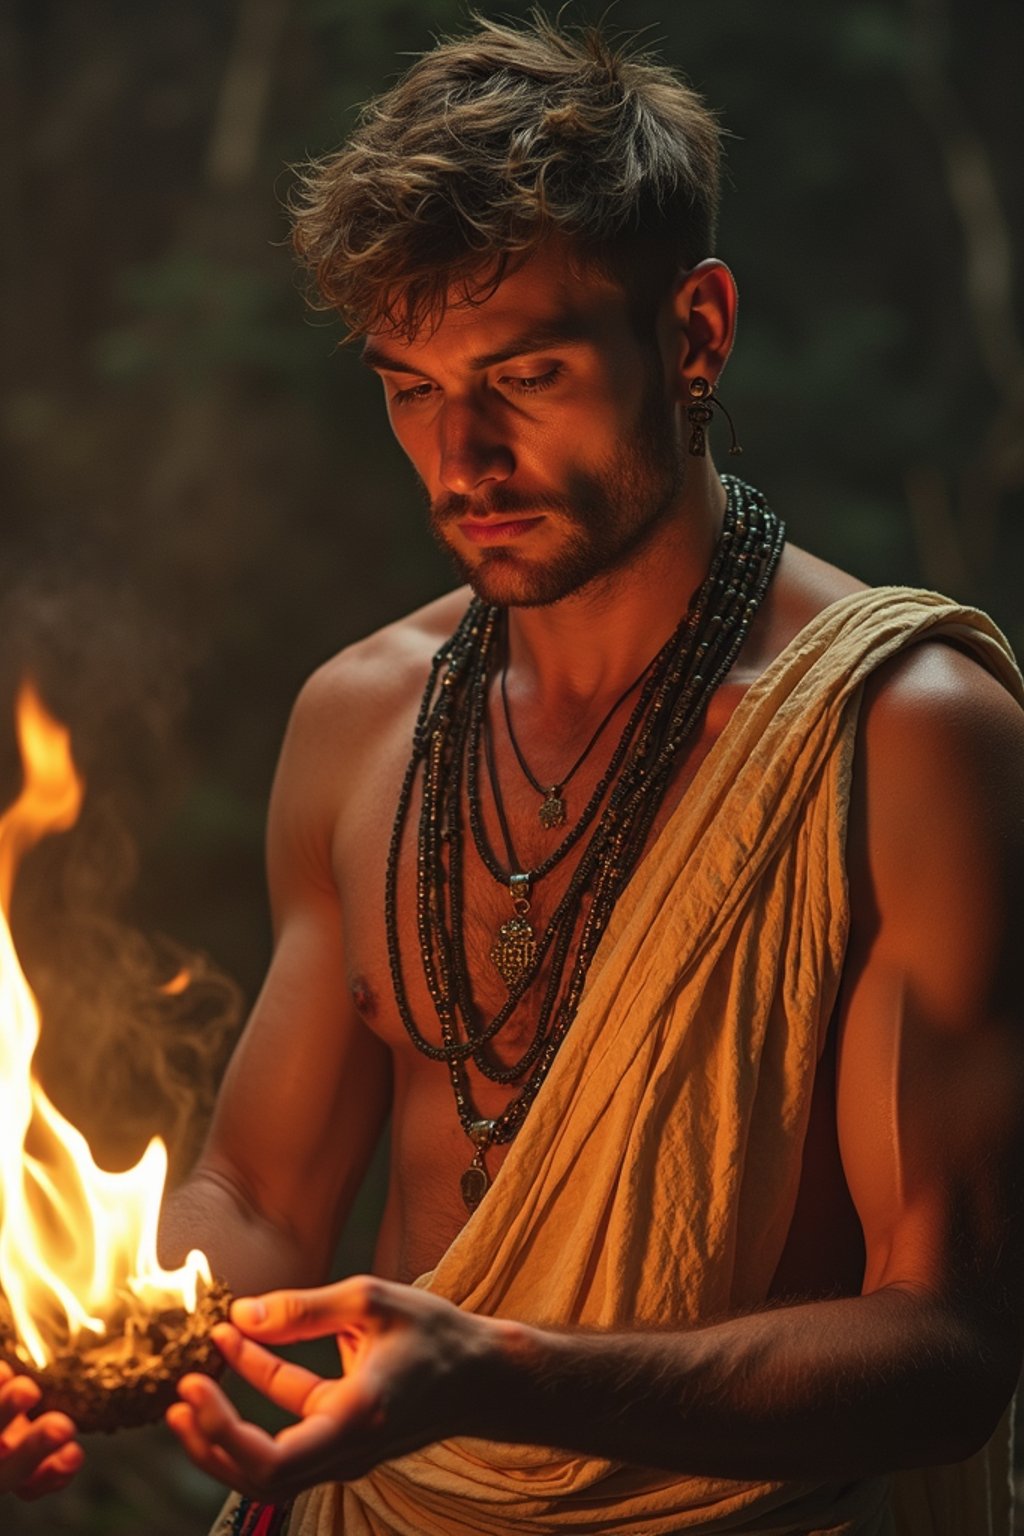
410, 396
534, 384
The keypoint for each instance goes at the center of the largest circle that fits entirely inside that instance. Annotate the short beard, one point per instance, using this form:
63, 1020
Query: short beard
612, 515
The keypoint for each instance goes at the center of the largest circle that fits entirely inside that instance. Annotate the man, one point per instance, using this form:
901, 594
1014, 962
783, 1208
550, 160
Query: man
688, 968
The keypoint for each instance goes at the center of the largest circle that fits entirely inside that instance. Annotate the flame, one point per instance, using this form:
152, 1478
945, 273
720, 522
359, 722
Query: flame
178, 983
77, 1243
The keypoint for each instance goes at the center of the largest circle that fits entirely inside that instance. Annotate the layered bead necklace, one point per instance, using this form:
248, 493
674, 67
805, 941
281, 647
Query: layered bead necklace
449, 735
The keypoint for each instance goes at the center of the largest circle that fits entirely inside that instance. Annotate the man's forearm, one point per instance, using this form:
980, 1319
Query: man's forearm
245, 1249
832, 1388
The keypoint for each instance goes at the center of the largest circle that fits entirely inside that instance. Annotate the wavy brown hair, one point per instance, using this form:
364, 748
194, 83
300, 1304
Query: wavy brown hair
490, 143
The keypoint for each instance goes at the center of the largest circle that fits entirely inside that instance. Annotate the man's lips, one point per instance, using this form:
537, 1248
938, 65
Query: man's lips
496, 530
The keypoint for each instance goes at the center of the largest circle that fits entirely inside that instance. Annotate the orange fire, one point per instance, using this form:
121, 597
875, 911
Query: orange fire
76, 1243
178, 984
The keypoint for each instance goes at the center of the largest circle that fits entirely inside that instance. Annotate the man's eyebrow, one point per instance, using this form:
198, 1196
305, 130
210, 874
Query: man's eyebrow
560, 332
375, 357
553, 333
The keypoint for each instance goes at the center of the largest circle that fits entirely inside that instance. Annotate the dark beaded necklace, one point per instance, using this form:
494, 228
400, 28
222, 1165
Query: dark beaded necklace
451, 727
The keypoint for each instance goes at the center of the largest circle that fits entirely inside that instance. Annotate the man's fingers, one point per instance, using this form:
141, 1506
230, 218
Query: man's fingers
285, 1317
17, 1396
54, 1473
212, 1408
288, 1385
247, 1458
210, 1458
308, 1453
24, 1448
242, 1454
25, 1467
67, 1461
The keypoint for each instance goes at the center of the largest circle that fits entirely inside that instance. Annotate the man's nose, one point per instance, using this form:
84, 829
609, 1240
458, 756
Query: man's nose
473, 451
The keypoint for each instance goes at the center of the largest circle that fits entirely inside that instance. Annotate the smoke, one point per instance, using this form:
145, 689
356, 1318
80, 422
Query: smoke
136, 1030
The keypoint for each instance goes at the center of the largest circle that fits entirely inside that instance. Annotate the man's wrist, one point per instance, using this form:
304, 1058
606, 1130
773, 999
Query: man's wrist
506, 1398
502, 1378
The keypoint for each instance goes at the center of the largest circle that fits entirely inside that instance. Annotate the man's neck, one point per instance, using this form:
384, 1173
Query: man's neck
594, 642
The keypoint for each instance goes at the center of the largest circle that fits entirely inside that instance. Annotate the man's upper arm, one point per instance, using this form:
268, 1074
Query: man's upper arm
308, 1088
931, 1046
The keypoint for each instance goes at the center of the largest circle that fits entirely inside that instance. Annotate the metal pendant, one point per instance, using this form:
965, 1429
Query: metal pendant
476, 1181
514, 950
552, 812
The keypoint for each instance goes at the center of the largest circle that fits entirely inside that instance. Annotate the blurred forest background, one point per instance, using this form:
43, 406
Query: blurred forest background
201, 501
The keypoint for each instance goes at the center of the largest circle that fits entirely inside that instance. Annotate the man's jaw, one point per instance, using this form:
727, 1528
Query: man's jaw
509, 571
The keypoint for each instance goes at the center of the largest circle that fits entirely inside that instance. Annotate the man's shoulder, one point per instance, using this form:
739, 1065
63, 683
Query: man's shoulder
940, 747
386, 669
934, 683
358, 708
937, 814
936, 699
802, 587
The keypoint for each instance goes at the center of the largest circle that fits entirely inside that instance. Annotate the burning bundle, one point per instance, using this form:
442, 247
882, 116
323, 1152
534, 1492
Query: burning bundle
85, 1308
128, 1376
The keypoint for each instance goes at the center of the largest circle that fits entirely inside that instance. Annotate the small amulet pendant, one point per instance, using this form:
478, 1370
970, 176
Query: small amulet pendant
476, 1181
514, 950
474, 1184
552, 811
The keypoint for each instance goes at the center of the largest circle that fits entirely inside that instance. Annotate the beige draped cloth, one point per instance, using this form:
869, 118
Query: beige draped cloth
655, 1178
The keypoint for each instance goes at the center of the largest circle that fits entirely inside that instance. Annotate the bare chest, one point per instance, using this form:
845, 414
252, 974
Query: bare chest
384, 929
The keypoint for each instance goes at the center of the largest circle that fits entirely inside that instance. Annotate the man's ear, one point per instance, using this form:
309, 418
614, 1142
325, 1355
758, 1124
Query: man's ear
704, 316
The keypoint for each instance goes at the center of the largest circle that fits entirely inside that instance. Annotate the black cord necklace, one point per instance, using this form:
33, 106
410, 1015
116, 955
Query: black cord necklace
552, 812
446, 748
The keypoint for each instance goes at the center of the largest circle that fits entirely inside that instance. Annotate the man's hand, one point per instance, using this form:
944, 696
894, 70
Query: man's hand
412, 1363
37, 1456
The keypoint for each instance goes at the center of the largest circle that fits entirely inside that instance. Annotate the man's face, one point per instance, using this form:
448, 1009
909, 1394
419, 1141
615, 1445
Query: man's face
542, 428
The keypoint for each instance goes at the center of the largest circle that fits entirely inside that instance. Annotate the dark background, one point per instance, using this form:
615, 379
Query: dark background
200, 499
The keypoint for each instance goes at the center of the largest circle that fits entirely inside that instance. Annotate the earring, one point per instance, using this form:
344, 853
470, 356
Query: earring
700, 412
